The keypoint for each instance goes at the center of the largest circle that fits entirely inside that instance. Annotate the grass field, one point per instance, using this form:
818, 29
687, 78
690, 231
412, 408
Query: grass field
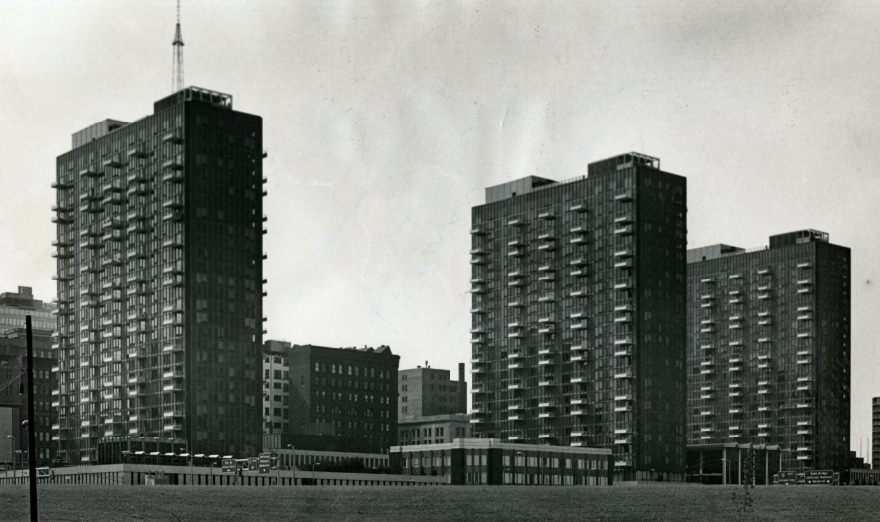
651, 502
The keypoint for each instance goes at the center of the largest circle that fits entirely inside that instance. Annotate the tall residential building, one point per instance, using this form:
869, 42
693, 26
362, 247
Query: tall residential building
159, 248
875, 433
578, 314
769, 349
342, 399
428, 391
276, 387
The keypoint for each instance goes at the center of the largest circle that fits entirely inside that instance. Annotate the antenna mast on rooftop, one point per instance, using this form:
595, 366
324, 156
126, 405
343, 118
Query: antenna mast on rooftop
177, 71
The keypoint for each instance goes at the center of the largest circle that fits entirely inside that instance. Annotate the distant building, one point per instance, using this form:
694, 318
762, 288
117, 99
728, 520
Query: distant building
159, 234
875, 433
14, 306
856, 462
578, 314
769, 348
342, 399
428, 391
433, 429
276, 387
13, 395
492, 462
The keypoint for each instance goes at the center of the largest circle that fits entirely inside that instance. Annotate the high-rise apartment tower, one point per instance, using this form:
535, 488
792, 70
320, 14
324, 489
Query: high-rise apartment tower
578, 314
768, 348
159, 249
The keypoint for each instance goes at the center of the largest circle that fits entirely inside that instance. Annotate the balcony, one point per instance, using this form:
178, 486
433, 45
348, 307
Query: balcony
545, 215
623, 284
623, 196
623, 219
624, 230
173, 176
623, 263
172, 137
578, 207
172, 242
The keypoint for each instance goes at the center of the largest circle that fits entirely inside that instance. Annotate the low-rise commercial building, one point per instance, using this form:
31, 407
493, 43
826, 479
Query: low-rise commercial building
433, 429
492, 462
732, 463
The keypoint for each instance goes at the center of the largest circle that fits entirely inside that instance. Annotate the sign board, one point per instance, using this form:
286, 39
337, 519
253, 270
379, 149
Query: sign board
253, 463
819, 476
265, 462
228, 465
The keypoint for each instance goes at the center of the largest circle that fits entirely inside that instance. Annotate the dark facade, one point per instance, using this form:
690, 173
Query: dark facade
492, 462
428, 391
875, 433
732, 463
14, 395
343, 399
578, 314
159, 248
768, 348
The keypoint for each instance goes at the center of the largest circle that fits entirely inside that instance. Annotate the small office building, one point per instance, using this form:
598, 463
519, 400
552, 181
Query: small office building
492, 462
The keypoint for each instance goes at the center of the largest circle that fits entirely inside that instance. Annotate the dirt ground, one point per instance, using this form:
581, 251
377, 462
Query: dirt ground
642, 502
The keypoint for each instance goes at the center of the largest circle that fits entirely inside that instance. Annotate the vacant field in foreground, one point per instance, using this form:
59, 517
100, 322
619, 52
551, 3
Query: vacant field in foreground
657, 502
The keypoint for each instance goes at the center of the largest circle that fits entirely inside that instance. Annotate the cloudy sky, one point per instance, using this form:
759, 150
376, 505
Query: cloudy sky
384, 121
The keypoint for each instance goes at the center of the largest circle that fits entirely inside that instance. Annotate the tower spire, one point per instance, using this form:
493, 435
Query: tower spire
177, 70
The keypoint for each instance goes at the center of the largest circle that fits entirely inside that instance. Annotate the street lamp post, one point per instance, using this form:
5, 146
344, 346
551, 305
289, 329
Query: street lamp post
292, 448
12, 456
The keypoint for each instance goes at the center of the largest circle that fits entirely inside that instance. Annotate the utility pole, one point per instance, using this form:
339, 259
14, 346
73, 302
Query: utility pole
31, 420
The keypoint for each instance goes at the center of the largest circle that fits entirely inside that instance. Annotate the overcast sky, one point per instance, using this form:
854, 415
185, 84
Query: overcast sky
384, 121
